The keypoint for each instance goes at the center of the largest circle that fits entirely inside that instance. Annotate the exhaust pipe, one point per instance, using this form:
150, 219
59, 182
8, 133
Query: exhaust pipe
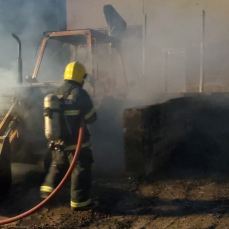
19, 59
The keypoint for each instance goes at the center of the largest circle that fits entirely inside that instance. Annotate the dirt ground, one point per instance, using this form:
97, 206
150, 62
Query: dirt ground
172, 199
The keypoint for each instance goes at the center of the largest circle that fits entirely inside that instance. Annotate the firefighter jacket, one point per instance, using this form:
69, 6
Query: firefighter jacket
75, 103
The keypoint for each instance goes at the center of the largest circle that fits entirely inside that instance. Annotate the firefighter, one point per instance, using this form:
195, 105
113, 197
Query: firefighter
76, 104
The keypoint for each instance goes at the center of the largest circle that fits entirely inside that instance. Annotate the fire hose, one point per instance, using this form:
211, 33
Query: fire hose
40, 205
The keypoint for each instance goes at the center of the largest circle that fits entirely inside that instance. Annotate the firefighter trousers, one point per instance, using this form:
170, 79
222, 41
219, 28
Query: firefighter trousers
80, 177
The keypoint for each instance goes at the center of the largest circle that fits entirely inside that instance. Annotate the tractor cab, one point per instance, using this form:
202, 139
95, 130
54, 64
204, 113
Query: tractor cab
98, 51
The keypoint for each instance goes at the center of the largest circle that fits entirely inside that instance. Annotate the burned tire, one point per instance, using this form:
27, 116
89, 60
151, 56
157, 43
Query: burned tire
5, 183
5, 167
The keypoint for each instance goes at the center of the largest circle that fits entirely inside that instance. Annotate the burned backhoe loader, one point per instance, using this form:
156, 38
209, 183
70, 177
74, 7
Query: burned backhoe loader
21, 129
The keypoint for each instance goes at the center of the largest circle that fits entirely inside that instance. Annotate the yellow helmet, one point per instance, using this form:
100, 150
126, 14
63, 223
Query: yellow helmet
75, 71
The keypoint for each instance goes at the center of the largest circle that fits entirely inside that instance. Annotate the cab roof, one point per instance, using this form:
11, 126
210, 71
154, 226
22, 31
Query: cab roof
80, 36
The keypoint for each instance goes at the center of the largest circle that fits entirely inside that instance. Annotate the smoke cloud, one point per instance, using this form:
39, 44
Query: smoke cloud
173, 32
28, 19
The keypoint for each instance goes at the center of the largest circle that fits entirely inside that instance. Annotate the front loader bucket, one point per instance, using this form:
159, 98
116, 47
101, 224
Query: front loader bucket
5, 166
